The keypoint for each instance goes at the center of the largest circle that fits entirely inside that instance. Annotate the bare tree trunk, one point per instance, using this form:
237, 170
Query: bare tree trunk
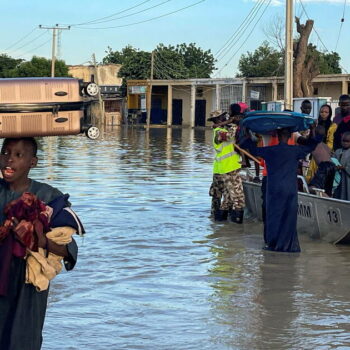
300, 54
310, 71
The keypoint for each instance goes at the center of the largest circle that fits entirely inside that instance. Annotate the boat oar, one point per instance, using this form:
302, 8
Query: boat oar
247, 153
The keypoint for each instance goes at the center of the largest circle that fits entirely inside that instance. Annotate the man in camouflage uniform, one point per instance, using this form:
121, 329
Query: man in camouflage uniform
226, 189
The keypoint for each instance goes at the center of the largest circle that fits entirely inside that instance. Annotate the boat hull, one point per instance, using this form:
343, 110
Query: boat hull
320, 218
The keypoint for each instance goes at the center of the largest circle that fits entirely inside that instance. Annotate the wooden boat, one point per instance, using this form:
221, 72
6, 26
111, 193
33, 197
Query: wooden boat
319, 217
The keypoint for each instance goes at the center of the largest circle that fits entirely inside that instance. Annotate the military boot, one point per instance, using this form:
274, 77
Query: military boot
220, 215
236, 216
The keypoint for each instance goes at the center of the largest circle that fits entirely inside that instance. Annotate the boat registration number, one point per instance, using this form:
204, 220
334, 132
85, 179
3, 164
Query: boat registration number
333, 216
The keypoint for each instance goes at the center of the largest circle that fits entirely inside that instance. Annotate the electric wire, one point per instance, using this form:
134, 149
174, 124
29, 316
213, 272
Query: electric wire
171, 71
31, 41
341, 26
242, 32
21, 39
163, 61
161, 73
147, 20
244, 42
35, 48
318, 36
112, 15
132, 14
236, 32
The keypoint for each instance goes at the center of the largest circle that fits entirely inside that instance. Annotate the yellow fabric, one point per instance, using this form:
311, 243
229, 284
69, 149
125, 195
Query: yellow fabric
40, 269
330, 135
329, 141
311, 171
226, 159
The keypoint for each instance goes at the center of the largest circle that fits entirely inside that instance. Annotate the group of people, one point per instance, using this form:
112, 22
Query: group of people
326, 144
329, 163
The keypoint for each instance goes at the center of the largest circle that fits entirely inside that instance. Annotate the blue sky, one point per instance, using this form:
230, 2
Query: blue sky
209, 24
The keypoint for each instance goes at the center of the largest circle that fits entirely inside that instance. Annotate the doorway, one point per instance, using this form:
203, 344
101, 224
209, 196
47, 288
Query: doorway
200, 113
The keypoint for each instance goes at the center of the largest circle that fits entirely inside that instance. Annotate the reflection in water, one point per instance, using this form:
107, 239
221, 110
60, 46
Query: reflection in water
277, 300
156, 273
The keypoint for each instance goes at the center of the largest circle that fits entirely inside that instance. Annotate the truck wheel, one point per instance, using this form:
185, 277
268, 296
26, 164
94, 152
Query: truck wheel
91, 89
92, 133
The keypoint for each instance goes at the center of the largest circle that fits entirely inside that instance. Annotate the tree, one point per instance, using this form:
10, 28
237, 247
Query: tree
305, 65
170, 62
329, 63
38, 67
136, 64
308, 61
265, 61
199, 63
7, 63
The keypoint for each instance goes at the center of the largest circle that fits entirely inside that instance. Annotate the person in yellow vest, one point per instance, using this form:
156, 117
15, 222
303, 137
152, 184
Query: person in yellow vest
227, 188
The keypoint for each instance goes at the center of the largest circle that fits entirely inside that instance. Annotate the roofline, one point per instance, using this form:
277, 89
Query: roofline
234, 81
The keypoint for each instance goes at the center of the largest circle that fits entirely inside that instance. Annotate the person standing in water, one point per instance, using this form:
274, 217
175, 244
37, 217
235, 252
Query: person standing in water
281, 190
226, 167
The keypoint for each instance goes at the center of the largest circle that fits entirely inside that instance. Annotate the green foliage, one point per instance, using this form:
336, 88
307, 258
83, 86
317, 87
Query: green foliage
136, 64
7, 63
170, 62
38, 67
199, 63
330, 63
265, 61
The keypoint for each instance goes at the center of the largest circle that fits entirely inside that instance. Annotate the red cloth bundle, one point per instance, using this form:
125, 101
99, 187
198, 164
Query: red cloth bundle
31, 215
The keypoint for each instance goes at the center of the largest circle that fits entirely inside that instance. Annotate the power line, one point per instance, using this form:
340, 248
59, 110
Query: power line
35, 48
21, 39
148, 20
54, 34
29, 42
341, 26
234, 35
132, 14
267, 5
112, 15
243, 30
318, 36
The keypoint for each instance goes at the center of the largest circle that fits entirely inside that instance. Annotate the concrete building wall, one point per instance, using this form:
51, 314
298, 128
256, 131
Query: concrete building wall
210, 96
107, 74
333, 90
184, 93
202, 93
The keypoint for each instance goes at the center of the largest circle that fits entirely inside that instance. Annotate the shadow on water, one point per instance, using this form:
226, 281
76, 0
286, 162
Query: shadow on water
156, 273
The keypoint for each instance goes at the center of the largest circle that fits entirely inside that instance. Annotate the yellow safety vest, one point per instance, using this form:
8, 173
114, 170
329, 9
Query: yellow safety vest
226, 159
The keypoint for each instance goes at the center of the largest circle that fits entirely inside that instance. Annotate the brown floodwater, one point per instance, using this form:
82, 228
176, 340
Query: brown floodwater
155, 272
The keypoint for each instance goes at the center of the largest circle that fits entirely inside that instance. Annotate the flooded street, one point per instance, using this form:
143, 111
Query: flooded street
154, 271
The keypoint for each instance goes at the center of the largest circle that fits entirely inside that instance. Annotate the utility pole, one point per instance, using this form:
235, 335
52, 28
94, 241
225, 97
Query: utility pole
149, 92
97, 81
54, 35
288, 69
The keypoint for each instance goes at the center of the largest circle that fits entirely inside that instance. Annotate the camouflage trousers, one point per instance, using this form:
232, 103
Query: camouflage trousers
226, 191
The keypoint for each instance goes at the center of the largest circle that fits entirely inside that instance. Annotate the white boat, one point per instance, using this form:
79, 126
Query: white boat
319, 217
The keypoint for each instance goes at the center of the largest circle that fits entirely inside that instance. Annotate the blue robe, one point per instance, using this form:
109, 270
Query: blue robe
281, 193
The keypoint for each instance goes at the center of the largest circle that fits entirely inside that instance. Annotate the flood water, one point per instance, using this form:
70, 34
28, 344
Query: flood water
154, 271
